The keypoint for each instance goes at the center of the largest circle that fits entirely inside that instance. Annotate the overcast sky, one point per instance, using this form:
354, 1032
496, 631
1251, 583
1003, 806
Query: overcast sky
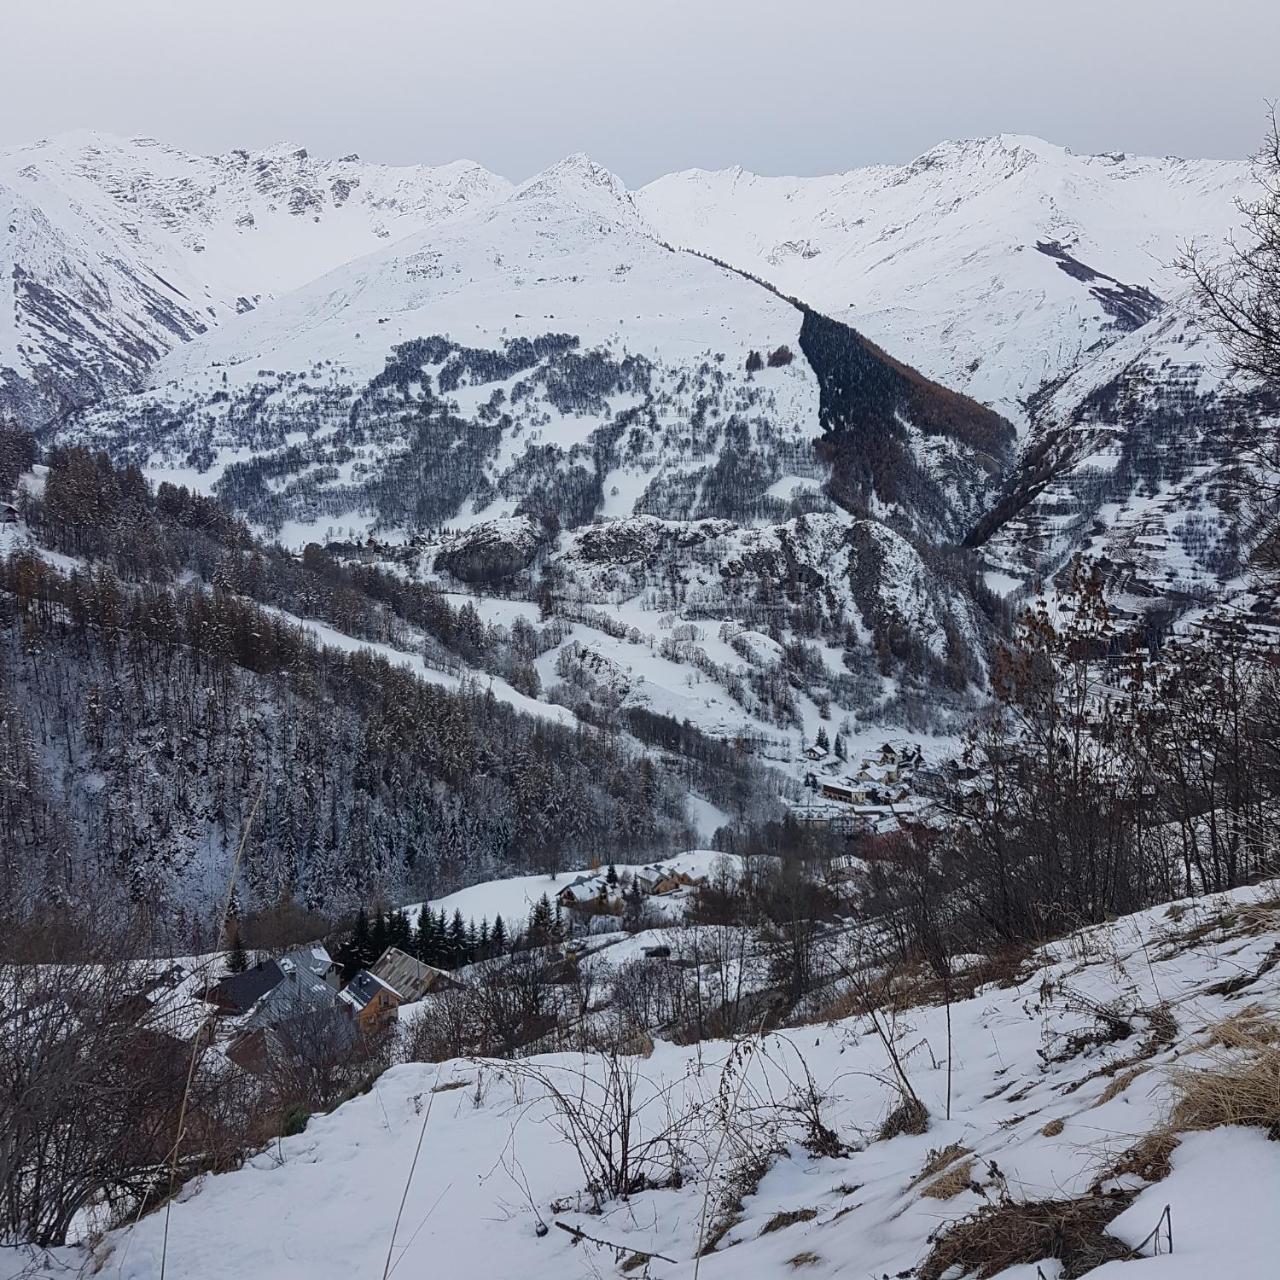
643, 86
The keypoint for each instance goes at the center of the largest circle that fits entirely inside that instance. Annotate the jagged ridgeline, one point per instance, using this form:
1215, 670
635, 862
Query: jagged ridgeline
154, 685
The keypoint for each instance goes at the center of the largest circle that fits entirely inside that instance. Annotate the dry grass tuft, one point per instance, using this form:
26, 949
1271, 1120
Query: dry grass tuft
936, 1161
787, 1218
1052, 1129
1147, 1159
1119, 1085
956, 1179
1005, 1235
1262, 915
805, 1259
909, 1116
1244, 1028
1241, 1083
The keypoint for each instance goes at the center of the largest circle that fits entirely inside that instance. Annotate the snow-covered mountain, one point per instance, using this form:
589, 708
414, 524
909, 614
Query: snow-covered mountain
1044, 284
995, 266
119, 250
665, 398
546, 363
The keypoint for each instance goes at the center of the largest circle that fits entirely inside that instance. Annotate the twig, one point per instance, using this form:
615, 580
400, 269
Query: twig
408, 1182
619, 1249
715, 1159
199, 1036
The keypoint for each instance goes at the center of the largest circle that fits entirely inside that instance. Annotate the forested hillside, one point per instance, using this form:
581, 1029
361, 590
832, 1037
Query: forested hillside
158, 689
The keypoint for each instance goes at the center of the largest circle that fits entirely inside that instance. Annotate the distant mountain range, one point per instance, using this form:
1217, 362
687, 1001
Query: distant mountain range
850, 408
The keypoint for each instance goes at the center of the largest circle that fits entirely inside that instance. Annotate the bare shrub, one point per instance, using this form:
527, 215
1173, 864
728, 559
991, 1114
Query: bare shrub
320, 1059
628, 1135
90, 1087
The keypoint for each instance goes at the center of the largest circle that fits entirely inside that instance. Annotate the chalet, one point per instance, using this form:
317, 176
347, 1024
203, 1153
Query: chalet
306, 977
307, 984
656, 953
237, 993
838, 791
815, 753
8, 513
370, 1001
410, 979
581, 892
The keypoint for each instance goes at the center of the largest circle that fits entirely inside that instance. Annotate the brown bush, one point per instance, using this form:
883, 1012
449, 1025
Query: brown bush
936, 1161
1147, 1159
958, 1178
787, 1218
909, 1116
1026, 1232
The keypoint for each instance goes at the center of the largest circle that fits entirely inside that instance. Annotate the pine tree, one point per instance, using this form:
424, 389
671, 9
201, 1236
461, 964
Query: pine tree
822, 743
377, 937
355, 954
237, 959
840, 755
633, 908
498, 938
457, 939
541, 922
611, 876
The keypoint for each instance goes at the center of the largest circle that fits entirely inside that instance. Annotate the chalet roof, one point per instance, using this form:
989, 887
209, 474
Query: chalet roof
363, 988
408, 977
302, 988
240, 991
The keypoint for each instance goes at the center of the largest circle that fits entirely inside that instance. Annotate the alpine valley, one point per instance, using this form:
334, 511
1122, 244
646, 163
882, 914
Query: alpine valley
724, 465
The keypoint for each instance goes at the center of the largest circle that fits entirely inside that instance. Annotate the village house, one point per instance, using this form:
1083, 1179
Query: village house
838, 791
369, 1001
409, 978
308, 983
274, 989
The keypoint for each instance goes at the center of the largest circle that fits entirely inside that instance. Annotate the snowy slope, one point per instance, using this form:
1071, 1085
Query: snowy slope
1129, 465
993, 265
120, 249
1043, 1105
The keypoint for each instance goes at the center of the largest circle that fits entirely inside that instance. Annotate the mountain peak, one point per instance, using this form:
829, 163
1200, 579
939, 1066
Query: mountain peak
579, 181
575, 172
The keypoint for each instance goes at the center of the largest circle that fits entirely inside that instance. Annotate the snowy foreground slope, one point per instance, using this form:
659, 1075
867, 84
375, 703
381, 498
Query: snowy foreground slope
1046, 1099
